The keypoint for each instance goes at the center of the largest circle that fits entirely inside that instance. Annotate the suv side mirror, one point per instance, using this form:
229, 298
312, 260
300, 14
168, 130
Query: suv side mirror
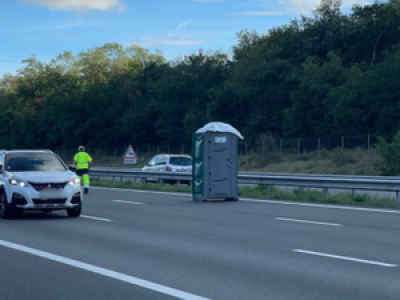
1, 168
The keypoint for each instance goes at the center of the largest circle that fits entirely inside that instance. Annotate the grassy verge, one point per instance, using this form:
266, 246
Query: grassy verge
349, 162
313, 196
260, 192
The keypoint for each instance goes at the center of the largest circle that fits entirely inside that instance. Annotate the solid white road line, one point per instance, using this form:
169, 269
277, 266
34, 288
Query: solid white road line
96, 218
128, 202
308, 222
104, 272
326, 206
363, 261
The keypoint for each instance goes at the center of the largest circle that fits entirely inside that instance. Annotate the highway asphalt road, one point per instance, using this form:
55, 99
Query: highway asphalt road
149, 245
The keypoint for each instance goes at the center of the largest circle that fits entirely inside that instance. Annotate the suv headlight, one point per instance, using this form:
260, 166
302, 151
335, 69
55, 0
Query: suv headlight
74, 181
21, 183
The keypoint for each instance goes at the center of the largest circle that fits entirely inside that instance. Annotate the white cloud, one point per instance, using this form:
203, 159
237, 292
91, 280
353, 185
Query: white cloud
182, 25
151, 41
293, 7
179, 27
80, 5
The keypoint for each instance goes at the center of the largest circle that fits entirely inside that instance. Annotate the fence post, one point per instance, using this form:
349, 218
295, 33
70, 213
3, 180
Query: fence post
326, 192
369, 142
342, 142
298, 146
319, 146
280, 146
263, 147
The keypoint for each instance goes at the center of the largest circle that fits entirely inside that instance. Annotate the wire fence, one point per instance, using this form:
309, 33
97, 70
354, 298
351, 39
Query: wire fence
265, 145
281, 145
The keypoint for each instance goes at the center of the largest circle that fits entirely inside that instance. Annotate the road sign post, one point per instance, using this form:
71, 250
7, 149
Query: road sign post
130, 156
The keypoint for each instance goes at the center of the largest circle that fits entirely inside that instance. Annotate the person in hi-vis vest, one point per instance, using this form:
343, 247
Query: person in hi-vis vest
83, 162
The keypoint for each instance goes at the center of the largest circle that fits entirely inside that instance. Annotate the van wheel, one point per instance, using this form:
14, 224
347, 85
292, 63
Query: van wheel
6, 211
75, 211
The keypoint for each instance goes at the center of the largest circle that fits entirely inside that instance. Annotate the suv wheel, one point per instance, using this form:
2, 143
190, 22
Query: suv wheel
75, 211
6, 210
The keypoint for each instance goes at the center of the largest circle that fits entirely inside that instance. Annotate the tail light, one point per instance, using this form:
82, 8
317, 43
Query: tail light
169, 169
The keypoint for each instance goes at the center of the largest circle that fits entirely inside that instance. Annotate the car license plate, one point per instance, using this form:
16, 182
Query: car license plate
48, 194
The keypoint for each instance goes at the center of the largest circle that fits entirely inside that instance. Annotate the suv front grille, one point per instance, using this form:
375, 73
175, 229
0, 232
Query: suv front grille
41, 186
49, 201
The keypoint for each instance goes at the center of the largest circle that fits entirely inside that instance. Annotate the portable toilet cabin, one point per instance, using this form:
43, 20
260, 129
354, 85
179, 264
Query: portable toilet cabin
215, 162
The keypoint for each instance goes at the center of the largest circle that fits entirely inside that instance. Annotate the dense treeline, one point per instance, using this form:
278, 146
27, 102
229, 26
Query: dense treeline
327, 75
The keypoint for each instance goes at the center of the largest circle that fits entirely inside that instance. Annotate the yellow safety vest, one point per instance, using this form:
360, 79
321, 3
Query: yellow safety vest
82, 160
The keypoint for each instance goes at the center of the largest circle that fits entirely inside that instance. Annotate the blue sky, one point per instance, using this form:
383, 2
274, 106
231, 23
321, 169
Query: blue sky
47, 28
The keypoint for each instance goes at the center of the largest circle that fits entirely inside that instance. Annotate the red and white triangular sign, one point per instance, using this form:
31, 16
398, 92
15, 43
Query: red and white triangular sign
130, 153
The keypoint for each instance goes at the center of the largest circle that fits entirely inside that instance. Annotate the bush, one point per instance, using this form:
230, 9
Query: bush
343, 157
390, 156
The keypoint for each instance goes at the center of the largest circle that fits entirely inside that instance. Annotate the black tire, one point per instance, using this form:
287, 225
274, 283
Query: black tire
172, 182
232, 199
76, 211
6, 210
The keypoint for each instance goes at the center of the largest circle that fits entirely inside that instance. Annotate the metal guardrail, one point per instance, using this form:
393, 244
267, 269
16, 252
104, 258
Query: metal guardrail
140, 176
325, 182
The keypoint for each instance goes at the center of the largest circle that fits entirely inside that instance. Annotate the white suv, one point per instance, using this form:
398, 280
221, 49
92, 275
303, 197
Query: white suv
37, 180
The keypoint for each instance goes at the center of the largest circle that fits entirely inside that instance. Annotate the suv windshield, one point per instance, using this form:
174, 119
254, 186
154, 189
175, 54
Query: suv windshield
25, 162
180, 161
